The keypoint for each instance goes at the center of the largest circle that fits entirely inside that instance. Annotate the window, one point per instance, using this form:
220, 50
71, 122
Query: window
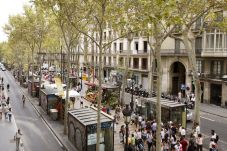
210, 41
137, 46
216, 67
121, 61
199, 66
144, 63
136, 63
145, 46
177, 45
104, 36
198, 44
110, 61
218, 40
219, 16
198, 23
115, 47
110, 34
121, 47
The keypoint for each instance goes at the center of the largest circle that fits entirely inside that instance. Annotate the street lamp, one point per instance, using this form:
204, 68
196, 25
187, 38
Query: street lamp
132, 81
127, 118
81, 71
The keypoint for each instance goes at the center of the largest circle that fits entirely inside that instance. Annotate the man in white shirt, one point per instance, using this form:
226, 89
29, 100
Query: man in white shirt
183, 132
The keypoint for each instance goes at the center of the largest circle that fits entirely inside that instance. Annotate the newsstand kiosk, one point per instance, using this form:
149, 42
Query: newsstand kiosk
82, 126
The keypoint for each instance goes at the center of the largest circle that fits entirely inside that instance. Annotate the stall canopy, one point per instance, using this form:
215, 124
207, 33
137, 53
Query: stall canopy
72, 94
104, 86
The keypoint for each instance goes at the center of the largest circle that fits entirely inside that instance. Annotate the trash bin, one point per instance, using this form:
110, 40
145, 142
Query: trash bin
54, 114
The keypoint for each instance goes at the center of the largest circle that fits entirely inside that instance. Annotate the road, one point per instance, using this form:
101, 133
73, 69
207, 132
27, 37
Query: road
36, 135
208, 122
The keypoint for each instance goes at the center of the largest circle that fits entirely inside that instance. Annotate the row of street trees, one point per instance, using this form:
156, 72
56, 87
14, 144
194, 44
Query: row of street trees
47, 25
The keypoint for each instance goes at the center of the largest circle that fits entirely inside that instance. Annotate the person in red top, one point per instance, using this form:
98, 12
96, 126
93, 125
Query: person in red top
104, 109
184, 144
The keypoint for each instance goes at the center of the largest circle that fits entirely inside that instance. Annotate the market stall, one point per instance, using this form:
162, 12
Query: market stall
48, 99
82, 126
33, 89
110, 95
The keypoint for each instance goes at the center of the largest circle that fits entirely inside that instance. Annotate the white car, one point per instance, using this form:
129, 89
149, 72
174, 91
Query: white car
189, 115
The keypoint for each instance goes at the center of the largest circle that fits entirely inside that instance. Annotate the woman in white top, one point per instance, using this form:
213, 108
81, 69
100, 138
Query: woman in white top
199, 142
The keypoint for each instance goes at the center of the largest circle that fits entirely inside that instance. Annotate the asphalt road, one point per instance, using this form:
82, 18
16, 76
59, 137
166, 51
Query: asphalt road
36, 135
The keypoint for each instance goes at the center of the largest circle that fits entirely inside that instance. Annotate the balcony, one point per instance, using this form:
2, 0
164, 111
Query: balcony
214, 53
173, 52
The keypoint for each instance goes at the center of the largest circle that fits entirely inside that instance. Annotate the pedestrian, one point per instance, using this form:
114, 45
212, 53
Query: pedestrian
178, 146
149, 140
122, 133
182, 132
184, 143
173, 141
81, 102
143, 124
136, 101
9, 114
7, 101
214, 135
197, 129
199, 142
191, 146
0, 111
17, 138
133, 141
140, 118
2, 79
213, 145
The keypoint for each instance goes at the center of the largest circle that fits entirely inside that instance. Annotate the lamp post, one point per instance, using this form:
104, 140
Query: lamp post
127, 118
81, 71
132, 103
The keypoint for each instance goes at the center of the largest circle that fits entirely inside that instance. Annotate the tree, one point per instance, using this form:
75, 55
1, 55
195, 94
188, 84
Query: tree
70, 37
190, 13
95, 16
158, 23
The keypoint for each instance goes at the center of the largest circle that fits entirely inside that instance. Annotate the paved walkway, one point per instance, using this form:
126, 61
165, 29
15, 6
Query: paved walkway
8, 130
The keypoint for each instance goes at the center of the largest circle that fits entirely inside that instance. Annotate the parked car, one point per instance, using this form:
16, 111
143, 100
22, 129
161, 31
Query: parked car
3, 69
189, 115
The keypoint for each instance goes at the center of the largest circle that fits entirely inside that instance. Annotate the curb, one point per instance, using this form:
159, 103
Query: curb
214, 114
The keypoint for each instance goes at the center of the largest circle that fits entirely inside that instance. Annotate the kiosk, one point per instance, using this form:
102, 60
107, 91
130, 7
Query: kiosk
171, 110
82, 126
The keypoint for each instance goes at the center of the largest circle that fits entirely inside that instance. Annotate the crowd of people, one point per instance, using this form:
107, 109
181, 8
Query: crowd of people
173, 136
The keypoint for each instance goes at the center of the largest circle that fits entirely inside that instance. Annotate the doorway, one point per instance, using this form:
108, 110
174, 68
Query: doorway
177, 76
215, 94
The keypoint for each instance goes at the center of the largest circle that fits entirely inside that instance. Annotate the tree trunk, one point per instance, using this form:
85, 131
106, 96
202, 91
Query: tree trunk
150, 74
188, 42
67, 92
100, 71
159, 90
129, 38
